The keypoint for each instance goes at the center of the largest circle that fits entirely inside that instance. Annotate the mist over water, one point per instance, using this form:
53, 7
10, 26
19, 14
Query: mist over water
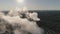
21, 22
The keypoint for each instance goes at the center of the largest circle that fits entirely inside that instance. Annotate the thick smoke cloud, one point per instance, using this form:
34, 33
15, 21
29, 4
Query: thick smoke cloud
26, 25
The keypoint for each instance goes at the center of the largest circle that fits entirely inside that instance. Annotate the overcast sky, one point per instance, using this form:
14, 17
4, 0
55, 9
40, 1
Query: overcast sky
31, 4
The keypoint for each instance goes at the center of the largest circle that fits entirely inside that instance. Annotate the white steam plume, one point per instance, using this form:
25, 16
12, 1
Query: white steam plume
24, 24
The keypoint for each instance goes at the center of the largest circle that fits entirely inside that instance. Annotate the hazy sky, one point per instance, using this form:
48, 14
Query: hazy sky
31, 4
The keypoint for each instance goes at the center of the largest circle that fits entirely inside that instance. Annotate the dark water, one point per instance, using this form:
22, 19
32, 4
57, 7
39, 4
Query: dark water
50, 21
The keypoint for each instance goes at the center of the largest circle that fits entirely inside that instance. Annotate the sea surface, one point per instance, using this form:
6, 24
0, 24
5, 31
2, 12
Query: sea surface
49, 20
